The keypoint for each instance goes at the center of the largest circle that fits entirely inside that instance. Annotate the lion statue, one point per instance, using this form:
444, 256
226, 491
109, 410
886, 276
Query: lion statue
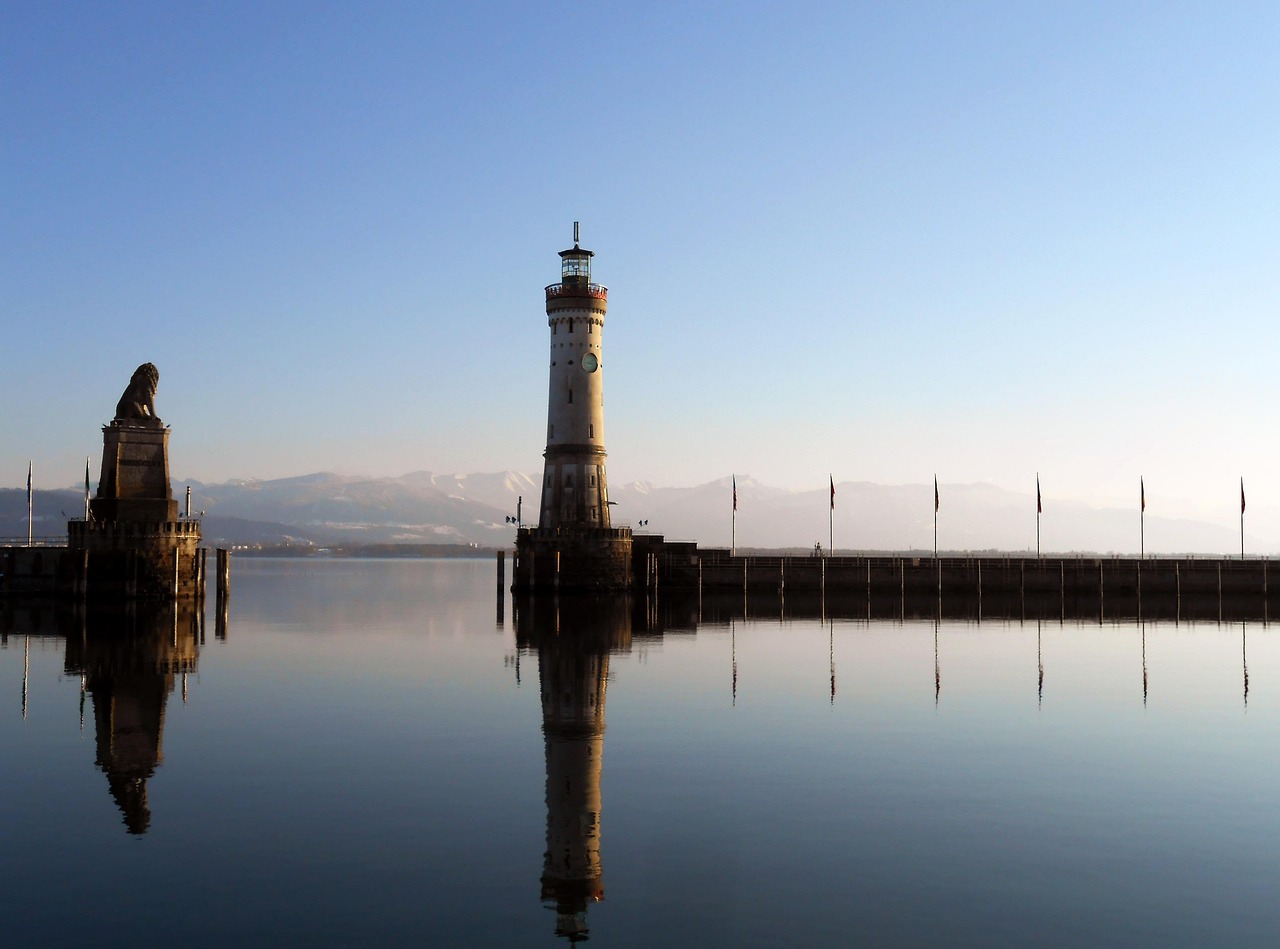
138, 401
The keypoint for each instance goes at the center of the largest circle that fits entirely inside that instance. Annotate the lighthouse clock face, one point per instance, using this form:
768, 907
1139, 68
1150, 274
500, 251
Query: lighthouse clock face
590, 362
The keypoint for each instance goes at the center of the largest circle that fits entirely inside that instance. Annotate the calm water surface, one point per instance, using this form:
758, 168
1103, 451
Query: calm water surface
373, 755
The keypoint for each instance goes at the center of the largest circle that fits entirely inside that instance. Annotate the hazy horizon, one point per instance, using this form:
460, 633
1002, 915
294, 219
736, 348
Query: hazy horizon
868, 516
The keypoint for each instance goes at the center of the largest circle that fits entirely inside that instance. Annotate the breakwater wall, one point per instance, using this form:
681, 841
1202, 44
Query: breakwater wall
885, 586
163, 564
1075, 576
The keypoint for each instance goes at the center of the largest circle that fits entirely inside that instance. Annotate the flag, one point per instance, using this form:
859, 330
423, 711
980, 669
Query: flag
1142, 489
833, 491
28, 479
735, 492
1039, 506
935, 494
86, 487
1242, 495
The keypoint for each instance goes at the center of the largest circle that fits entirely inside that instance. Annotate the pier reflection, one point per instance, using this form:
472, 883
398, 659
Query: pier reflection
719, 607
129, 660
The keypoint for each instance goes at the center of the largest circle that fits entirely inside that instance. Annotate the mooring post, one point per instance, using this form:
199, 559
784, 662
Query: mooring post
502, 570
223, 566
979, 590
1102, 593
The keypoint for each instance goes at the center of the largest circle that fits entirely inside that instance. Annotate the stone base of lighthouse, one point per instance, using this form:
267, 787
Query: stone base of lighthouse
573, 559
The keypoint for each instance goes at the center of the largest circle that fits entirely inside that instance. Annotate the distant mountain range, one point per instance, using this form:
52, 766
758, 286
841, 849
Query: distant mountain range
324, 509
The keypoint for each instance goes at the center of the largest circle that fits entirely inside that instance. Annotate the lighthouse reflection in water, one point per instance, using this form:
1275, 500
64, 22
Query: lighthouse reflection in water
573, 639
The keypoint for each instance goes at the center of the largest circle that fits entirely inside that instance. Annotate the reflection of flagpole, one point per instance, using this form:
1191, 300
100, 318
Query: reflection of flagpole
1244, 660
937, 669
1040, 668
1144, 665
733, 653
831, 657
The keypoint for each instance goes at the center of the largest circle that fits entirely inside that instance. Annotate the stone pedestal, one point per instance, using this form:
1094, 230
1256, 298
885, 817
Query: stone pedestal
135, 474
134, 545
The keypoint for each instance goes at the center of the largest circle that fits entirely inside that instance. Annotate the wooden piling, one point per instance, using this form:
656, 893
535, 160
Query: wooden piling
222, 564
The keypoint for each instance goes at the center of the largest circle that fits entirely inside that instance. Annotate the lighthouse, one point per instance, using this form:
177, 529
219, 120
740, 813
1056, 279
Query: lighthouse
575, 544
574, 488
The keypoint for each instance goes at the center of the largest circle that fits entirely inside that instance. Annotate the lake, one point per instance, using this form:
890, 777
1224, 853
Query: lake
386, 752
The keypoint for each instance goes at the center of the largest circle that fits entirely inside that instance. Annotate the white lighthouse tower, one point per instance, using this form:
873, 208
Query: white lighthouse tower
575, 543
574, 488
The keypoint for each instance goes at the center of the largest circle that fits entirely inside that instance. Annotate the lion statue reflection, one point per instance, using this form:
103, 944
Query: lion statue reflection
138, 402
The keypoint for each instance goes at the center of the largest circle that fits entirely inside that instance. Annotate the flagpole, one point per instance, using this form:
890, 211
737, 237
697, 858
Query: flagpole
935, 518
936, 562
733, 524
30, 507
1242, 518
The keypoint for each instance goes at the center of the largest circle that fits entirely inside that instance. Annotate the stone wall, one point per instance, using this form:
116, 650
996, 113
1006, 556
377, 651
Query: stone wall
573, 559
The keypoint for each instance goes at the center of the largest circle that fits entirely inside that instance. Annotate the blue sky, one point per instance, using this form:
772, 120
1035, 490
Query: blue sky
874, 239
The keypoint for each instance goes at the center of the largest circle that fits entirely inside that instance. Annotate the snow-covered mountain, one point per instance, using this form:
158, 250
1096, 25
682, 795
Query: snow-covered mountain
424, 507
